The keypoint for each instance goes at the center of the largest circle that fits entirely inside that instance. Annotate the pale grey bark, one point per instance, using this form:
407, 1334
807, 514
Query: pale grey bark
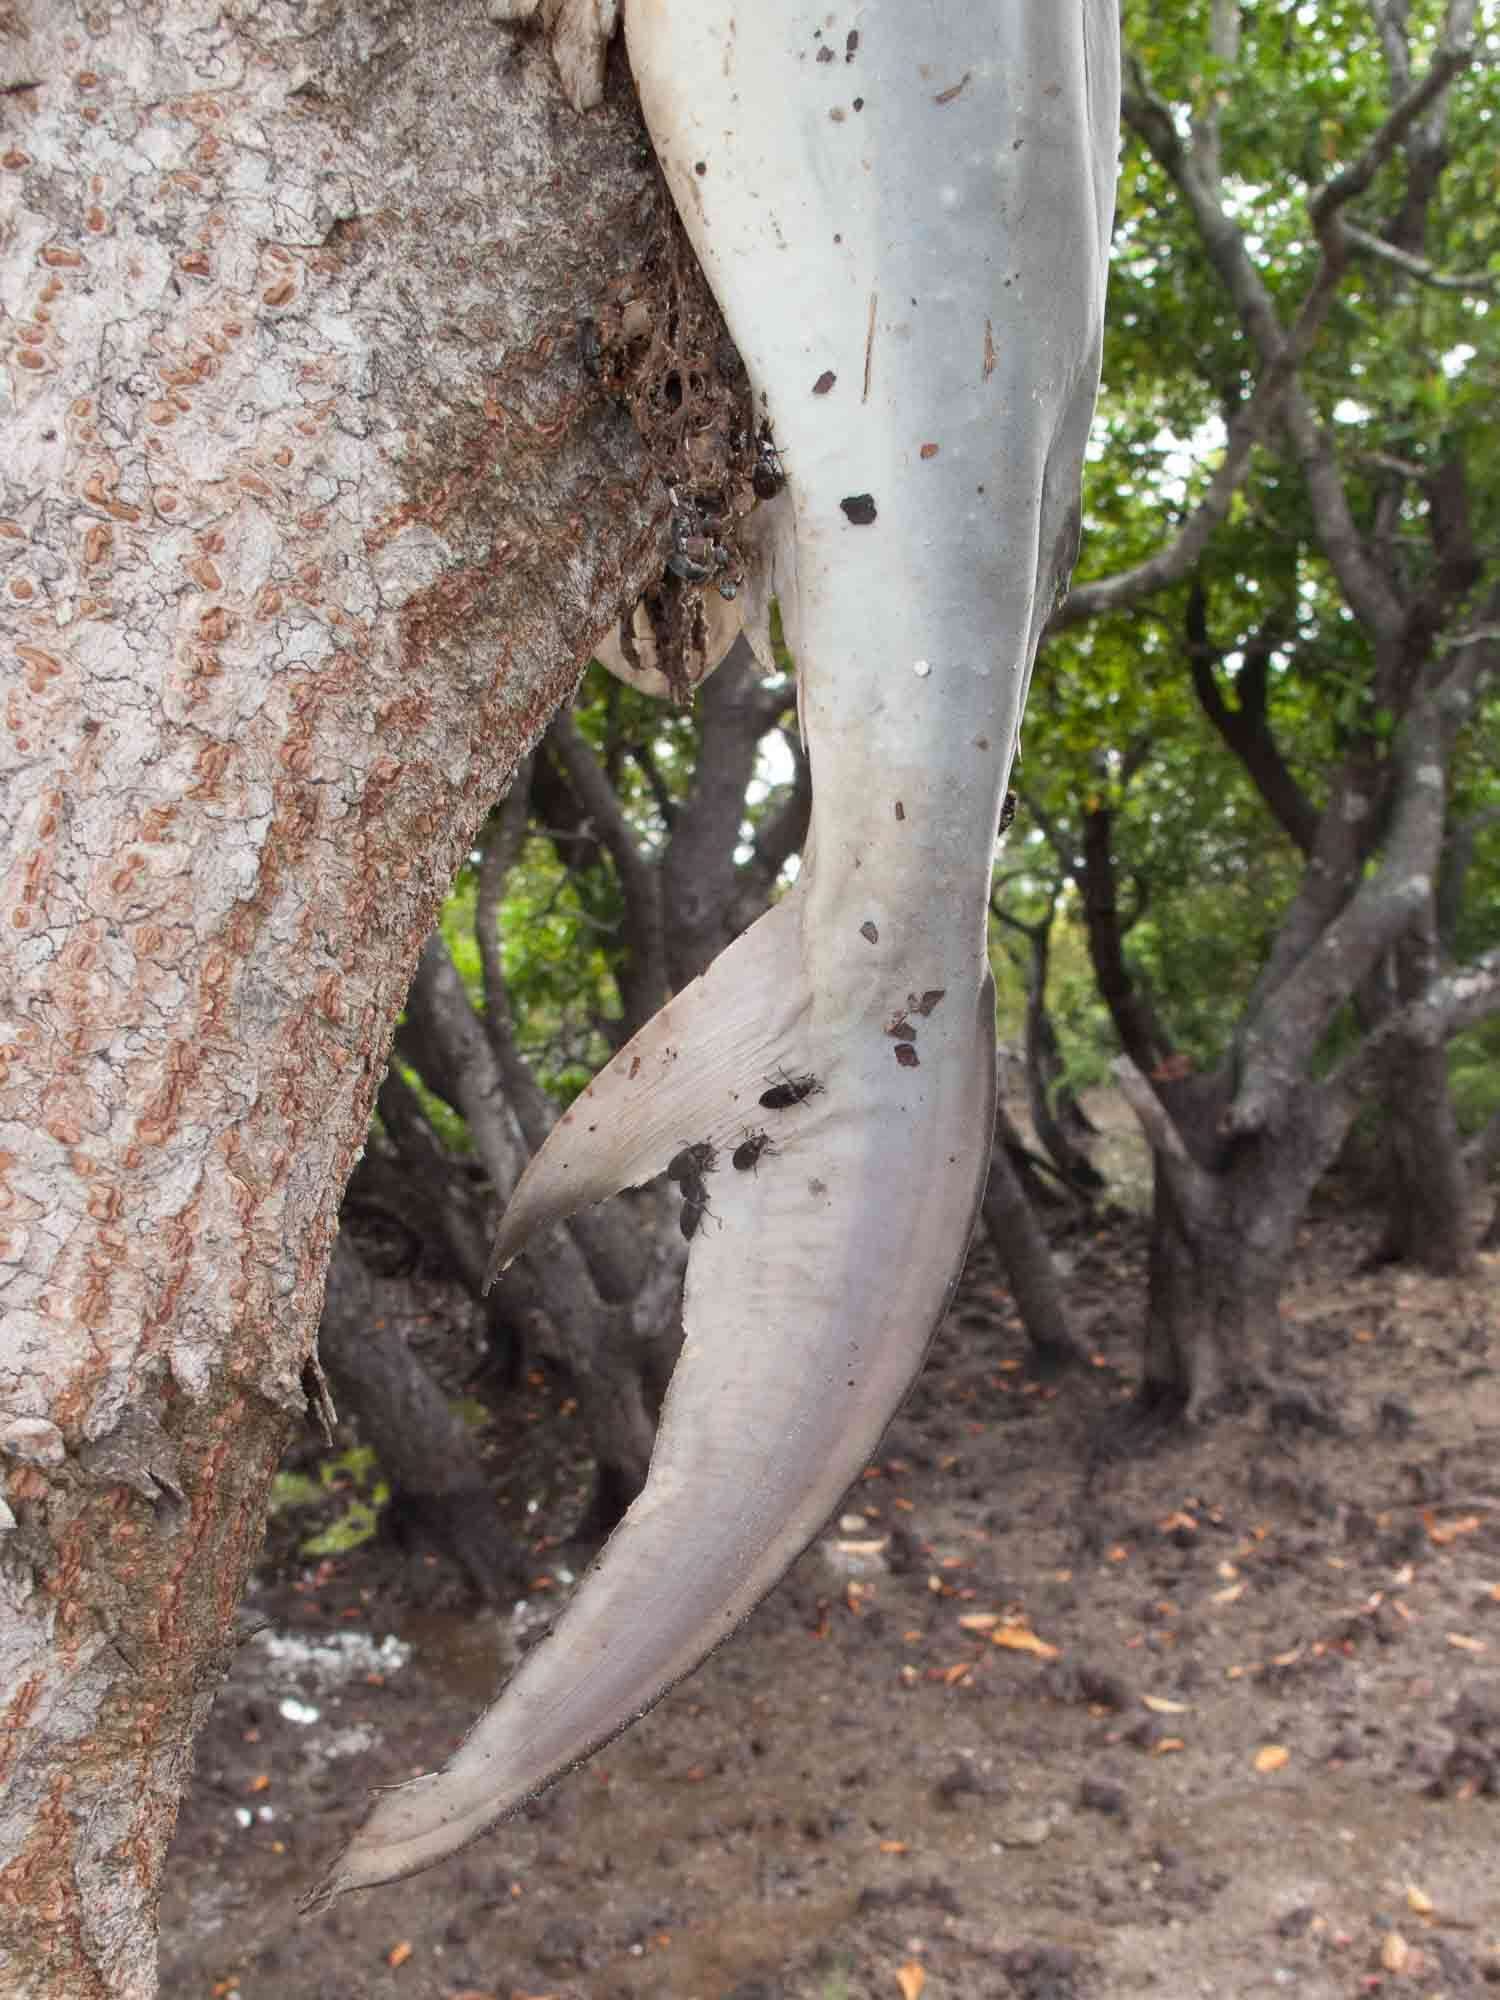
307, 517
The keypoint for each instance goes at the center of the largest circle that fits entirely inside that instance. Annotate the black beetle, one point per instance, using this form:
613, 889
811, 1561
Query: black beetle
747, 1154
692, 1161
791, 1090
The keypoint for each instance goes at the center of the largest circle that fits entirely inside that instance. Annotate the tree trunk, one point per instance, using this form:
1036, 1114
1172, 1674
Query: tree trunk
588, 1284
1427, 1192
440, 1494
1215, 1282
1056, 1114
1480, 1155
1223, 1228
1023, 1250
309, 516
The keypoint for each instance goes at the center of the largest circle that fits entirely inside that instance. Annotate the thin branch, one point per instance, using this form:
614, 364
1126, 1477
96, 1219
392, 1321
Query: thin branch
1171, 564
1193, 1185
645, 763
1449, 61
1367, 590
501, 844
1244, 728
643, 979
1475, 284
1287, 1019
1483, 1150
781, 834
1224, 47
1282, 352
1460, 999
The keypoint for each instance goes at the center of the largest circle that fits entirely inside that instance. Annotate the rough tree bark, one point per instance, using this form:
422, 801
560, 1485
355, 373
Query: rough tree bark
308, 517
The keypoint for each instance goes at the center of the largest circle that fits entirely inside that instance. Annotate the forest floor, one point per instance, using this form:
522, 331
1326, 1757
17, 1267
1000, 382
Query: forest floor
1221, 1721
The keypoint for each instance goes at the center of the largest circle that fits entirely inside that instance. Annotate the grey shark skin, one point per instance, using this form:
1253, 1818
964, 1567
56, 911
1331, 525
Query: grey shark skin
916, 201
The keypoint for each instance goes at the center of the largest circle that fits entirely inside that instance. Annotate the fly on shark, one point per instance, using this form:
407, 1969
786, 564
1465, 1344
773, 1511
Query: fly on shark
909, 246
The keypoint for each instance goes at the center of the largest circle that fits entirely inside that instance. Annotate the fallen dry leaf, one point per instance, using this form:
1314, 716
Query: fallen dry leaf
911, 1979
893, 1847
398, 1954
260, 1784
1159, 1705
1271, 1757
1228, 1594
1394, 1952
1021, 1639
980, 1621
1167, 1745
1418, 1900
1443, 1532
1462, 1643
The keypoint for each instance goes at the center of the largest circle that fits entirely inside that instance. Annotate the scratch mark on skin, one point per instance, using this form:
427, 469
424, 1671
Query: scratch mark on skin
870, 346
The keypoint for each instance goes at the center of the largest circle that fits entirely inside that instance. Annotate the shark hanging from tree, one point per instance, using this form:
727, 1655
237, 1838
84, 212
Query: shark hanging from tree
904, 213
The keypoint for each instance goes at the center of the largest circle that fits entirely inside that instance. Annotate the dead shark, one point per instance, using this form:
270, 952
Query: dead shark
905, 214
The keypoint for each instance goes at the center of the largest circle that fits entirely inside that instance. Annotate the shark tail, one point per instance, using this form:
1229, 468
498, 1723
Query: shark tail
821, 1262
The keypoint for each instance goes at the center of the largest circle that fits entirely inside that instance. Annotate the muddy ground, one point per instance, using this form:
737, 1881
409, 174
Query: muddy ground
1224, 1720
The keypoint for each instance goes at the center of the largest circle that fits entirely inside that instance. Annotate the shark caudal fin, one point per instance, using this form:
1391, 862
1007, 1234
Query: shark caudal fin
692, 1075
838, 1190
